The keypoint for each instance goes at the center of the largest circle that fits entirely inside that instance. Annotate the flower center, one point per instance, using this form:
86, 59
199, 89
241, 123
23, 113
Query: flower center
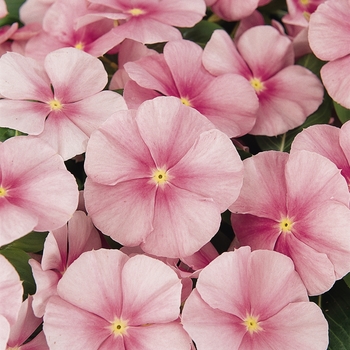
119, 327
257, 84
136, 12
79, 45
304, 2
286, 225
3, 192
160, 176
55, 105
252, 324
185, 101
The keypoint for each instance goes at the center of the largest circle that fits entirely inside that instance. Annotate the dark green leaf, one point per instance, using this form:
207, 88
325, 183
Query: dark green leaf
284, 141
6, 133
342, 112
347, 279
13, 7
311, 62
200, 33
33, 242
336, 307
19, 259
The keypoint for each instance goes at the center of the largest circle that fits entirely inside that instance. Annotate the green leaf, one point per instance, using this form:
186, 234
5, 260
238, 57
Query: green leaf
201, 32
342, 112
347, 279
13, 7
336, 307
6, 133
19, 259
33, 242
284, 141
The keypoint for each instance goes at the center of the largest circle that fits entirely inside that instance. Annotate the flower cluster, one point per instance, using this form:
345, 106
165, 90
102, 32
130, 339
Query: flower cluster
173, 174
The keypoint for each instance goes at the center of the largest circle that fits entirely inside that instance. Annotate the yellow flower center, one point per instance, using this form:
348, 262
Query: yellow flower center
257, 84
307, 15
160, 176
118, 327
15, 348
286, 225
252, 324
3, 192
304, 2
79, 45
55, 105
185, 101
136, 12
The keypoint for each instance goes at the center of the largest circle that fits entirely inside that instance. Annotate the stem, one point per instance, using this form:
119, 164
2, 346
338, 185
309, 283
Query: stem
283, 142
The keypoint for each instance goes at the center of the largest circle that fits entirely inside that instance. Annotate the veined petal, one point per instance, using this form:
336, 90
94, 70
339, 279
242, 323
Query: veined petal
206, 173
124, 211
203, 323
177, 231
155, 299
74, 74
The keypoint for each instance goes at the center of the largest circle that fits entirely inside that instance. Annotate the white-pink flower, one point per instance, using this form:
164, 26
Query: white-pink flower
107, 300
253, 300
11, 291
36, 190
157, 177
296, 204
60, 102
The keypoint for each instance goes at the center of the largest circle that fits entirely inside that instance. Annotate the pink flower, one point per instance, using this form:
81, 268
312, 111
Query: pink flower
3, 9
60, 30
296, 204
11, 291
147, 21
33, 11
228, 101
287, 93
329, 31
36, 190
329, 141
253, 300
62, 247
24, 327
147, 167
107, 300
66, 116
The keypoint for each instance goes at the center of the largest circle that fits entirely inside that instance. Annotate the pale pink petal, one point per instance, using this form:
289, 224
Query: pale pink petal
326, 231
74, 74
4, 332
204, 323
255, 19
344, 140
336, 83
25, 325
157, 336
295, 89
298, 326
96, 275
220, 56
174, 237
123, 211
155, 299
90, 113
314, 268
258, 233
64, 322
46, 286
201, 258
307, 191
38, 343
134, 94
10, 291
114, 154
328, 30
198, 172
264, 187
230, 103
23, 78
323, 139
256, 45
219, 294
171, 131
3, 9
233, 10
25, 116
34, 11
268, 268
